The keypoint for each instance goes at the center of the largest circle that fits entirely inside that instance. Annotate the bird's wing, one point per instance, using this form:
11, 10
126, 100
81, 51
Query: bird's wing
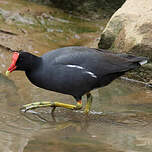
93, 60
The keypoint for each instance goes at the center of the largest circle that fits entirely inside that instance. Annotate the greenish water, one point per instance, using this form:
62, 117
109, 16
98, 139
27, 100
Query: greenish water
121, 114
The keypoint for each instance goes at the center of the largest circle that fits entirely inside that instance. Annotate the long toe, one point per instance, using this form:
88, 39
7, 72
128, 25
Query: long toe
36, 105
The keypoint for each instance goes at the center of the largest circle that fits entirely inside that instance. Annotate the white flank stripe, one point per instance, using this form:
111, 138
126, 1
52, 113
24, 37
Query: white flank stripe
75, 66
90, 73
85, 71
143, 62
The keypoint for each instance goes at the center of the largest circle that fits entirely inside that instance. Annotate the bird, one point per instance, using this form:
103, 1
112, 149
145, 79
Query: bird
73, 70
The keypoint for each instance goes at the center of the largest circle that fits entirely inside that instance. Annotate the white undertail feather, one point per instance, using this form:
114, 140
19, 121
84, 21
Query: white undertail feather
143, 62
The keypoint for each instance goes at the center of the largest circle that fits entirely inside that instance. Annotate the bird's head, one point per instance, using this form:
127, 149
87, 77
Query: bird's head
20, 61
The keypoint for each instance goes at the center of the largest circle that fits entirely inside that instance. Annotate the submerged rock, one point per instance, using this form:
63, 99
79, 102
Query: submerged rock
130, 29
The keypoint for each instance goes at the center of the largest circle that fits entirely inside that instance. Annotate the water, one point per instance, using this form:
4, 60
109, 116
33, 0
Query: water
120, 119
121, 114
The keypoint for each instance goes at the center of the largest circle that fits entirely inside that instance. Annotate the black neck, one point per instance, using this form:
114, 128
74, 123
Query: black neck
34, 62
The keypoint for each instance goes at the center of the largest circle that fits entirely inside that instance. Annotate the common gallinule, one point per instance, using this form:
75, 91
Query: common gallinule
74, 71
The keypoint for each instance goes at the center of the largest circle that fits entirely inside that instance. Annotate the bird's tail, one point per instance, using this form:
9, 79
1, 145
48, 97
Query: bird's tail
140, 60
135, 59
132, 58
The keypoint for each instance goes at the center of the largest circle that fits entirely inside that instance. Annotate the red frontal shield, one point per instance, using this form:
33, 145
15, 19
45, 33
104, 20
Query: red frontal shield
14, 60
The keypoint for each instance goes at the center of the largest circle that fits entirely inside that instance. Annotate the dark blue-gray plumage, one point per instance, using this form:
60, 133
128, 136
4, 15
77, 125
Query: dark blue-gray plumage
76, 70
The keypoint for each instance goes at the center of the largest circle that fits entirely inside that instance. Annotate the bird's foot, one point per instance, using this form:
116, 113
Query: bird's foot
36, 105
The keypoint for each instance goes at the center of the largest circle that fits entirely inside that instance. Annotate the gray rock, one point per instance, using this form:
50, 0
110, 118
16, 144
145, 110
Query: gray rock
130, 29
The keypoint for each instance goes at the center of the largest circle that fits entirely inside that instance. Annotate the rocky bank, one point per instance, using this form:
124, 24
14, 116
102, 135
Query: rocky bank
130, 30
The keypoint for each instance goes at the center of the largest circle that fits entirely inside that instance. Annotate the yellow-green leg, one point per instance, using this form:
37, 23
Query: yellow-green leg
36, 105
88, 104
